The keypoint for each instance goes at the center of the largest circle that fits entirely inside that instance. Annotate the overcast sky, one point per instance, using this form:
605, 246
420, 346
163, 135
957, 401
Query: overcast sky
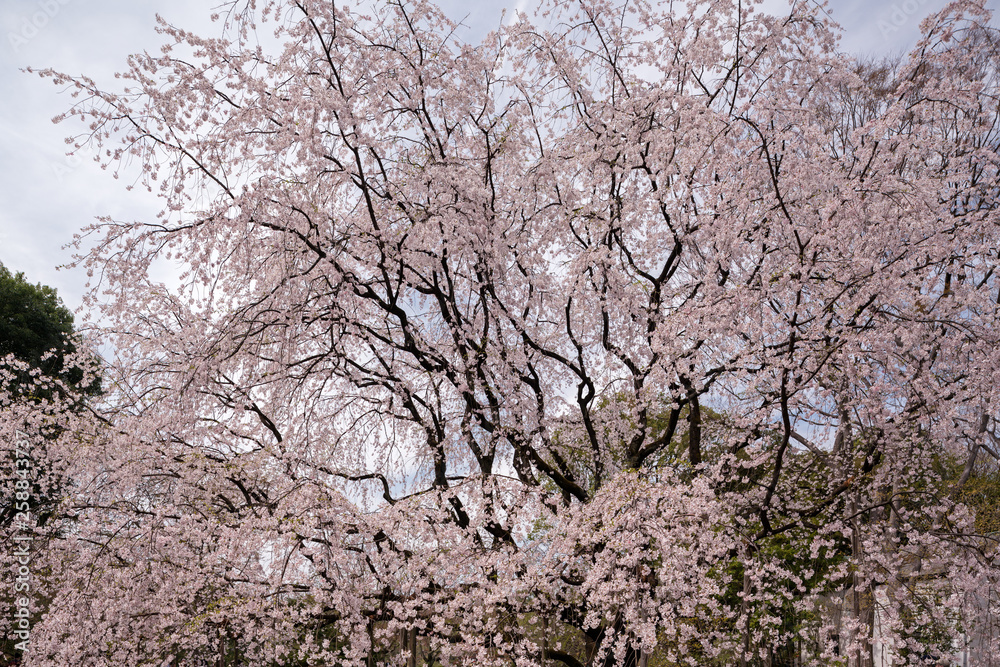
45, 197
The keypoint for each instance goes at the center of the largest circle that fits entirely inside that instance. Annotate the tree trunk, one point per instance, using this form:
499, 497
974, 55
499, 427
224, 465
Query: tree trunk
862, 599
545, 640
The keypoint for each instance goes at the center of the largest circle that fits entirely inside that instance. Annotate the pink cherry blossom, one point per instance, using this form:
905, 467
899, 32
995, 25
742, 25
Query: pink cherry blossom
638, 331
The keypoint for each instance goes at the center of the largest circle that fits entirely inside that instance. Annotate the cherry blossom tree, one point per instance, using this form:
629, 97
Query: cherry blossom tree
636, 334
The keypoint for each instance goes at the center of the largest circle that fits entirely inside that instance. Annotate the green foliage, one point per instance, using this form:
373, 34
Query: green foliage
33, 320
37, 328
981, 493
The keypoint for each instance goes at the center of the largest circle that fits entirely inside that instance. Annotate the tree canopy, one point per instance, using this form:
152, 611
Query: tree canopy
33, 321
635, 334
37, 329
